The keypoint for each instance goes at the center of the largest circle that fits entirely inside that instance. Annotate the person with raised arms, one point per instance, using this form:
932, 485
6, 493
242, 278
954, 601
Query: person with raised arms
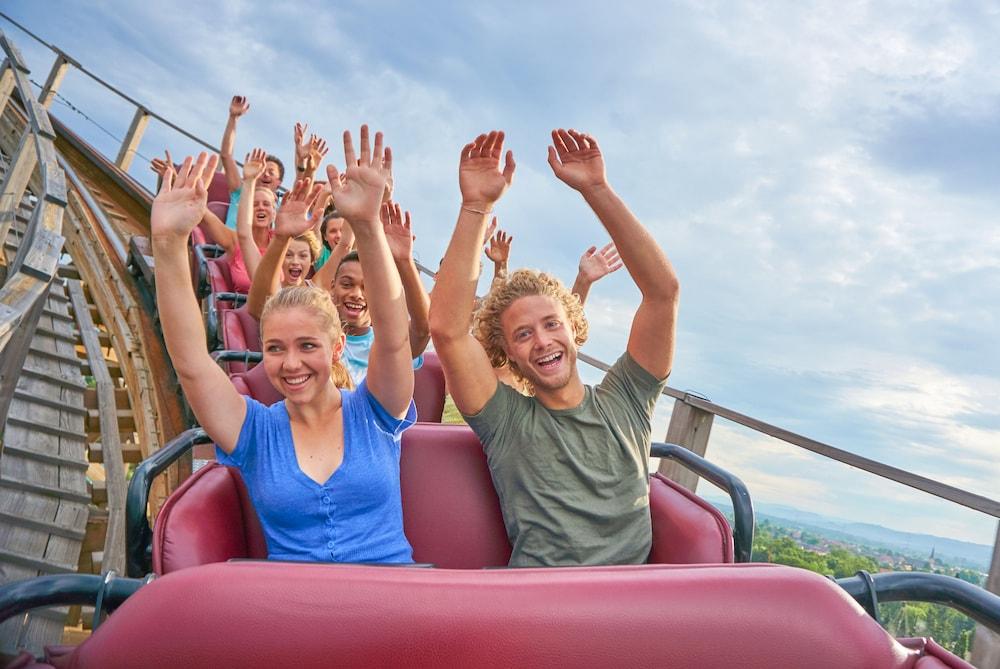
272, 171
322, 466
570, 463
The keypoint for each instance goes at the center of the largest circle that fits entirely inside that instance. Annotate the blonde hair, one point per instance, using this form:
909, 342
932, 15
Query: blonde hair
523, 283
319, 303
309, 237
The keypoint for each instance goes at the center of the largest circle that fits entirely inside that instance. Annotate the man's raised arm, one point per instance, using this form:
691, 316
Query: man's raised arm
576, 160
466, 366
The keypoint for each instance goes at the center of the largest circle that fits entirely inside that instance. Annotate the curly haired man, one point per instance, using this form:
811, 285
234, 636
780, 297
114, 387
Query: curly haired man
570, 462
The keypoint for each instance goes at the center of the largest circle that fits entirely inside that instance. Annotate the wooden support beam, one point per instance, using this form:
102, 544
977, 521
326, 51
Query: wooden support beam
986, 644
108, 418
7, 83
15, 182
54, 80
689, 427
132, 138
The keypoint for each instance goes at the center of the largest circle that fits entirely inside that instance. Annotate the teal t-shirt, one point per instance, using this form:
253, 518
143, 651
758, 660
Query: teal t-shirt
234, 204
356, 352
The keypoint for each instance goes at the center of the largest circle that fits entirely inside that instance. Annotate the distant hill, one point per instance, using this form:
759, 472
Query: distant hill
951, 551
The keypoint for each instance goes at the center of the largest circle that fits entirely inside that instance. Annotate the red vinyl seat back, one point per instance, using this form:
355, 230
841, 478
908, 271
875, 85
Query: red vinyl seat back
238, 331
220, 208
686, 528
255, 384
263, 614
428, 389
219, 278
207, 519
451, 513
218, 190
452, 517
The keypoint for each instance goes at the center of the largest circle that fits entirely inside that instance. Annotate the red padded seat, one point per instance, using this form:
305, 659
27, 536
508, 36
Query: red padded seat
254, 383
263, 614
238, 331
218, 190
220, 209
428, 389
451, 513
207, 519
219, 278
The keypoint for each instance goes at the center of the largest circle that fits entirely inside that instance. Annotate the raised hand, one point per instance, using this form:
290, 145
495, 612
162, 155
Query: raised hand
596, 264
389, 181
301, 145
319, 206
499, 249
576, 160
398, 233
317, 151
479, 176
183, 197
359, 196
160, 166
292, 219
253, 164
238, 107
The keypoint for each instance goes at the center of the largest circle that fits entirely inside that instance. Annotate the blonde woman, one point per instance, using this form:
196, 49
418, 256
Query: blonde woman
322, 466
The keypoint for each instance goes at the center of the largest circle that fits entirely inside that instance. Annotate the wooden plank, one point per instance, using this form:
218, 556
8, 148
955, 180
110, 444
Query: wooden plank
132, 139
66, 381
131, 453
68, 531
124, 419
98, 492
51, 491
121, 398
16, 180
46, 429
689, 427
26, 396
57, 333
50, 458
54, 80
39, 564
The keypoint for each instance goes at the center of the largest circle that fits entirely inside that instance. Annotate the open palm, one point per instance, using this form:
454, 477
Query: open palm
576, 159
359, 195
182, 200
398, 231
479, 176
292, 218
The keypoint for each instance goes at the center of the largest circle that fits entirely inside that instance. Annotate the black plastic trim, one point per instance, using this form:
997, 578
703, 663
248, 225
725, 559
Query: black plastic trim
107, 591
212, 315
910, 586
138, 533
743, 514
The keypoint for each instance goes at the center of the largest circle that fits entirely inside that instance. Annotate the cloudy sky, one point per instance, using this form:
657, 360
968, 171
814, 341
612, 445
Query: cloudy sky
824, 177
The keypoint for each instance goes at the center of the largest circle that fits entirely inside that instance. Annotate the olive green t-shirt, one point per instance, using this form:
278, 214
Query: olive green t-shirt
574, 483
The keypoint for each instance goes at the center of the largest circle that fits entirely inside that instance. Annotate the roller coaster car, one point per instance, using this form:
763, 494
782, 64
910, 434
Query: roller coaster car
202, 611
451, 514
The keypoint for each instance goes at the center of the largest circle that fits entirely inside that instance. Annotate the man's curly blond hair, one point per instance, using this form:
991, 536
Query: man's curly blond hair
522, 283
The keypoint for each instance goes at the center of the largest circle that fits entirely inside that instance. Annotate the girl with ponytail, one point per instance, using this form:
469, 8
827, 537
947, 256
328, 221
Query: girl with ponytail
322, 466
